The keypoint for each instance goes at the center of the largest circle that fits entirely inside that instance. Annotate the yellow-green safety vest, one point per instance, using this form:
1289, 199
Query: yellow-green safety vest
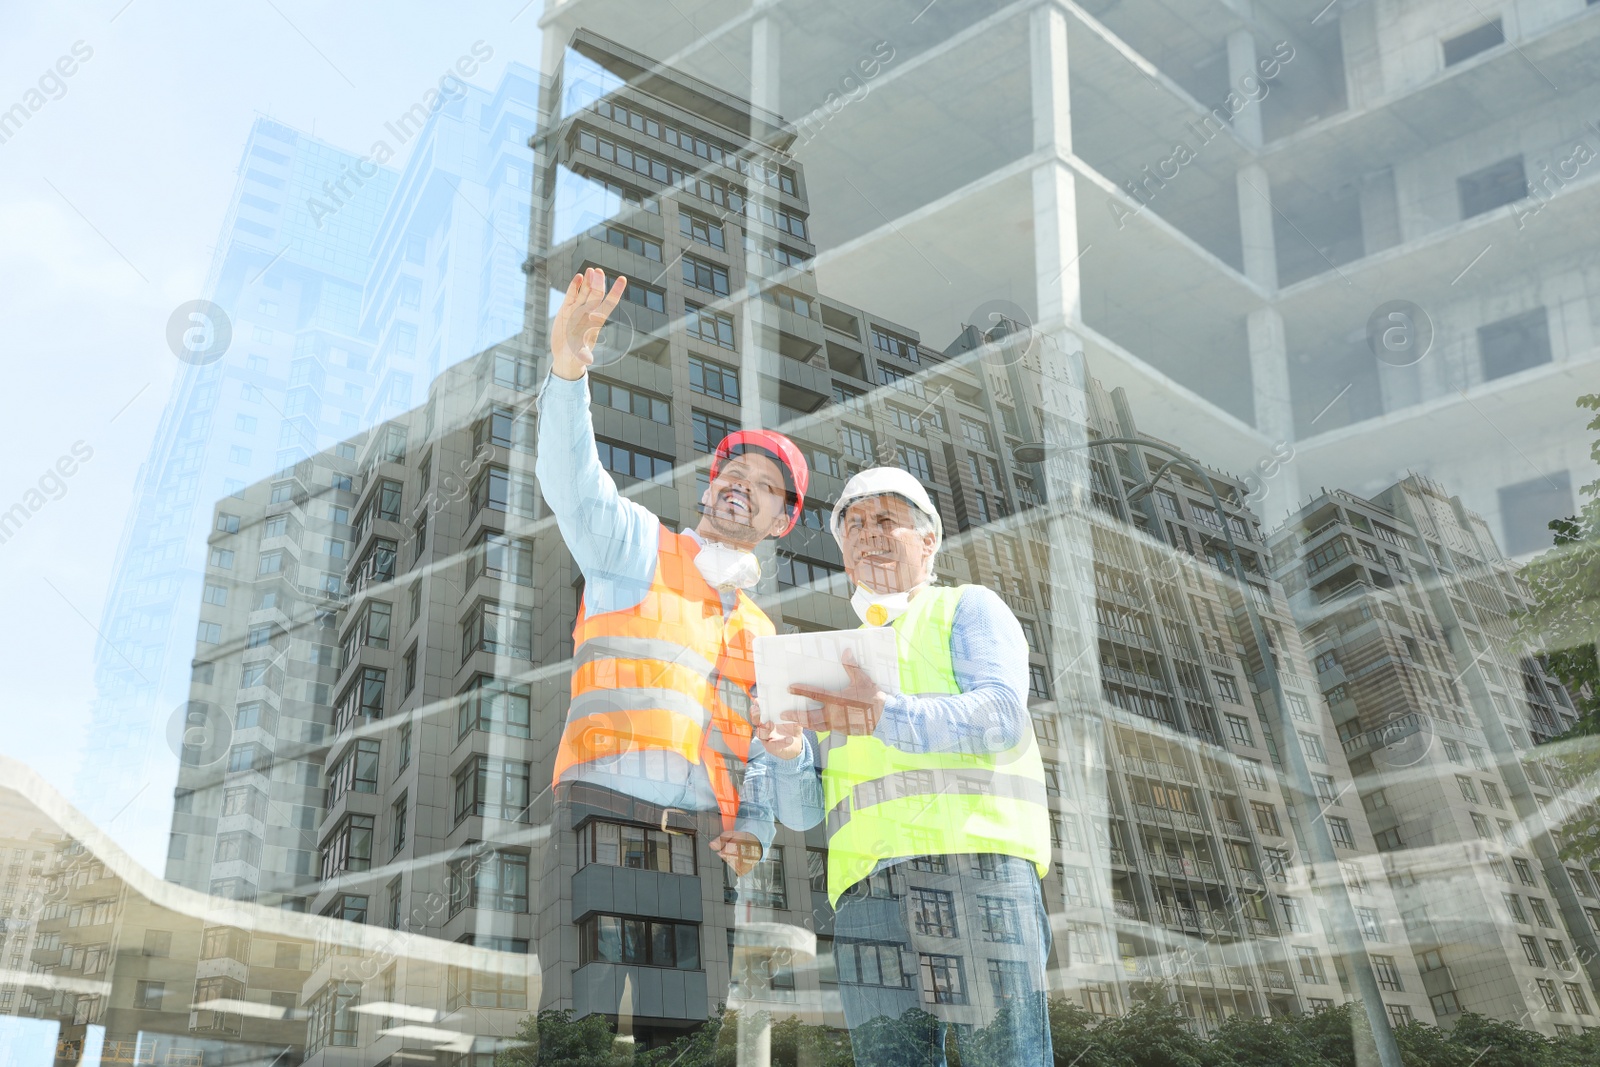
884, 802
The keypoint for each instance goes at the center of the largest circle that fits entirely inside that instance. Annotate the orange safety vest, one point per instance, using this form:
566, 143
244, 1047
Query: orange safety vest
669, 674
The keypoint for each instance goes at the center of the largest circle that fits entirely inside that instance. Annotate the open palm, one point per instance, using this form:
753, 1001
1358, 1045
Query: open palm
577, 325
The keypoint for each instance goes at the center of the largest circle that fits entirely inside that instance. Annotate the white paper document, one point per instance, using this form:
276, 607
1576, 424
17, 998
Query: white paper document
817, 659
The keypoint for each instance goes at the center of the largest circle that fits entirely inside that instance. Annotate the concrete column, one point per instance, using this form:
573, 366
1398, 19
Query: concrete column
1276, 471
1256, 237
1055, 210
1241, 65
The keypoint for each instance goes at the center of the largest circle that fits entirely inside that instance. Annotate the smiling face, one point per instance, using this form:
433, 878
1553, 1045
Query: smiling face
745, 502
883, 548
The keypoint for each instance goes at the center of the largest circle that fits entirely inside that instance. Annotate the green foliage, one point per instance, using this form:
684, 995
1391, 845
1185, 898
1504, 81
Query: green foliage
1563, 624
1152, 1034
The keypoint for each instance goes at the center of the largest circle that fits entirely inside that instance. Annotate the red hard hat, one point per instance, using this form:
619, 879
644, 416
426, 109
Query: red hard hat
782, 450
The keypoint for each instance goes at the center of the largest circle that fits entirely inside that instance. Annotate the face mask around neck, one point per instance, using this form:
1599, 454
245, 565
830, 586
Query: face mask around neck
725, 567
880, 609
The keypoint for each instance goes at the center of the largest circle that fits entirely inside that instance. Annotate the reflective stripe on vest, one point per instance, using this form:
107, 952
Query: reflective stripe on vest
884, 802
671, 675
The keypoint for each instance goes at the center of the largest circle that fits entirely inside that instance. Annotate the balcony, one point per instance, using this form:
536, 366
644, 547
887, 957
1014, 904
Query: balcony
1126, 908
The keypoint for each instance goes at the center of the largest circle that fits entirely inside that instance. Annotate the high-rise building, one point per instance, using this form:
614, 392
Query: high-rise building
1407, 606
337, 283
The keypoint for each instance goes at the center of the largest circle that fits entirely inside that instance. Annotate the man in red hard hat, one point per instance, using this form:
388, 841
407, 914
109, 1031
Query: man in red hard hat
659, 724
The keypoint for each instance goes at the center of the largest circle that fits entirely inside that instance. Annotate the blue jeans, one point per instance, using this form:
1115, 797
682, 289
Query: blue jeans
937, 947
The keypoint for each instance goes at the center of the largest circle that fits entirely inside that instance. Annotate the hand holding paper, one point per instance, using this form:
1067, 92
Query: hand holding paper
848, 672
855, 709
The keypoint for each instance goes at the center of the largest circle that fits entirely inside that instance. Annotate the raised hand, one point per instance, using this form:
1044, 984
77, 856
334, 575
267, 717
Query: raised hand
855, 709
576, 328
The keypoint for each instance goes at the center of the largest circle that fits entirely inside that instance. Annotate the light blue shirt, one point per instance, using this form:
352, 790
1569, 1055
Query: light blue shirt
615, 543
989, 714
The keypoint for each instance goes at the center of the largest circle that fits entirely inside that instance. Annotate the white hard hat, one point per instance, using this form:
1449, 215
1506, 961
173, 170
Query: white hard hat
877, 481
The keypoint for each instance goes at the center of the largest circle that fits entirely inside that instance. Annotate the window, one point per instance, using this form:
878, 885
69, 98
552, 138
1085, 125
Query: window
1541, 912
646, 296
493, 881
633, 463
1312, 745
1580, 1003
1530, 950
333, 1019
1293, 912
397, 813
709, 429
1228, 689
485, 989
1250, 769
1491, 793
796, 571
1009, 980
1399, 1015
1547, 991
1387, 973
1311, 965
499, 629
1527, 507
765, 885
355, 772
1468, 793
857, 443
209, 633
943, 979
495, 706
870, 963
499, 490
1452, 751
215, 594
1514, 344
363, 698
896, 345
634, 401
147, 995
1466, 45
705, 276
1326, 662
628, 240
505, 428
1239, 729
712, 327
976, 434
637, 847
1298, 707
1339, 830
817, 869
788, 300
349, 847
494, 788
712, 379
933, 912
638, 942
1446, 1003
916, 460
1481, 825
1266, 818
700, 229
1558, 953
1513, 905
238, 845
1371, 925
1324, 788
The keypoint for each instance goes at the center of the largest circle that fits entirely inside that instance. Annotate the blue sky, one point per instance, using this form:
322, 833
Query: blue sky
112, 194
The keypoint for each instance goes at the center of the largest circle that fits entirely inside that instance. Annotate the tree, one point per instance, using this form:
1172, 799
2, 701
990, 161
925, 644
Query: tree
1563, 625
555, 1038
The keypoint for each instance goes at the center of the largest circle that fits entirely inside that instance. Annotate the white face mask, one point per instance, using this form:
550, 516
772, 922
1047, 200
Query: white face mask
880, 609
724, 567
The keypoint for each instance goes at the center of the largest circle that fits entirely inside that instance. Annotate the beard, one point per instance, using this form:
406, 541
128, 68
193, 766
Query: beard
731, 519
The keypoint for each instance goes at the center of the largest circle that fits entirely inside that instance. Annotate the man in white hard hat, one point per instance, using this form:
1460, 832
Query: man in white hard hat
934, 798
